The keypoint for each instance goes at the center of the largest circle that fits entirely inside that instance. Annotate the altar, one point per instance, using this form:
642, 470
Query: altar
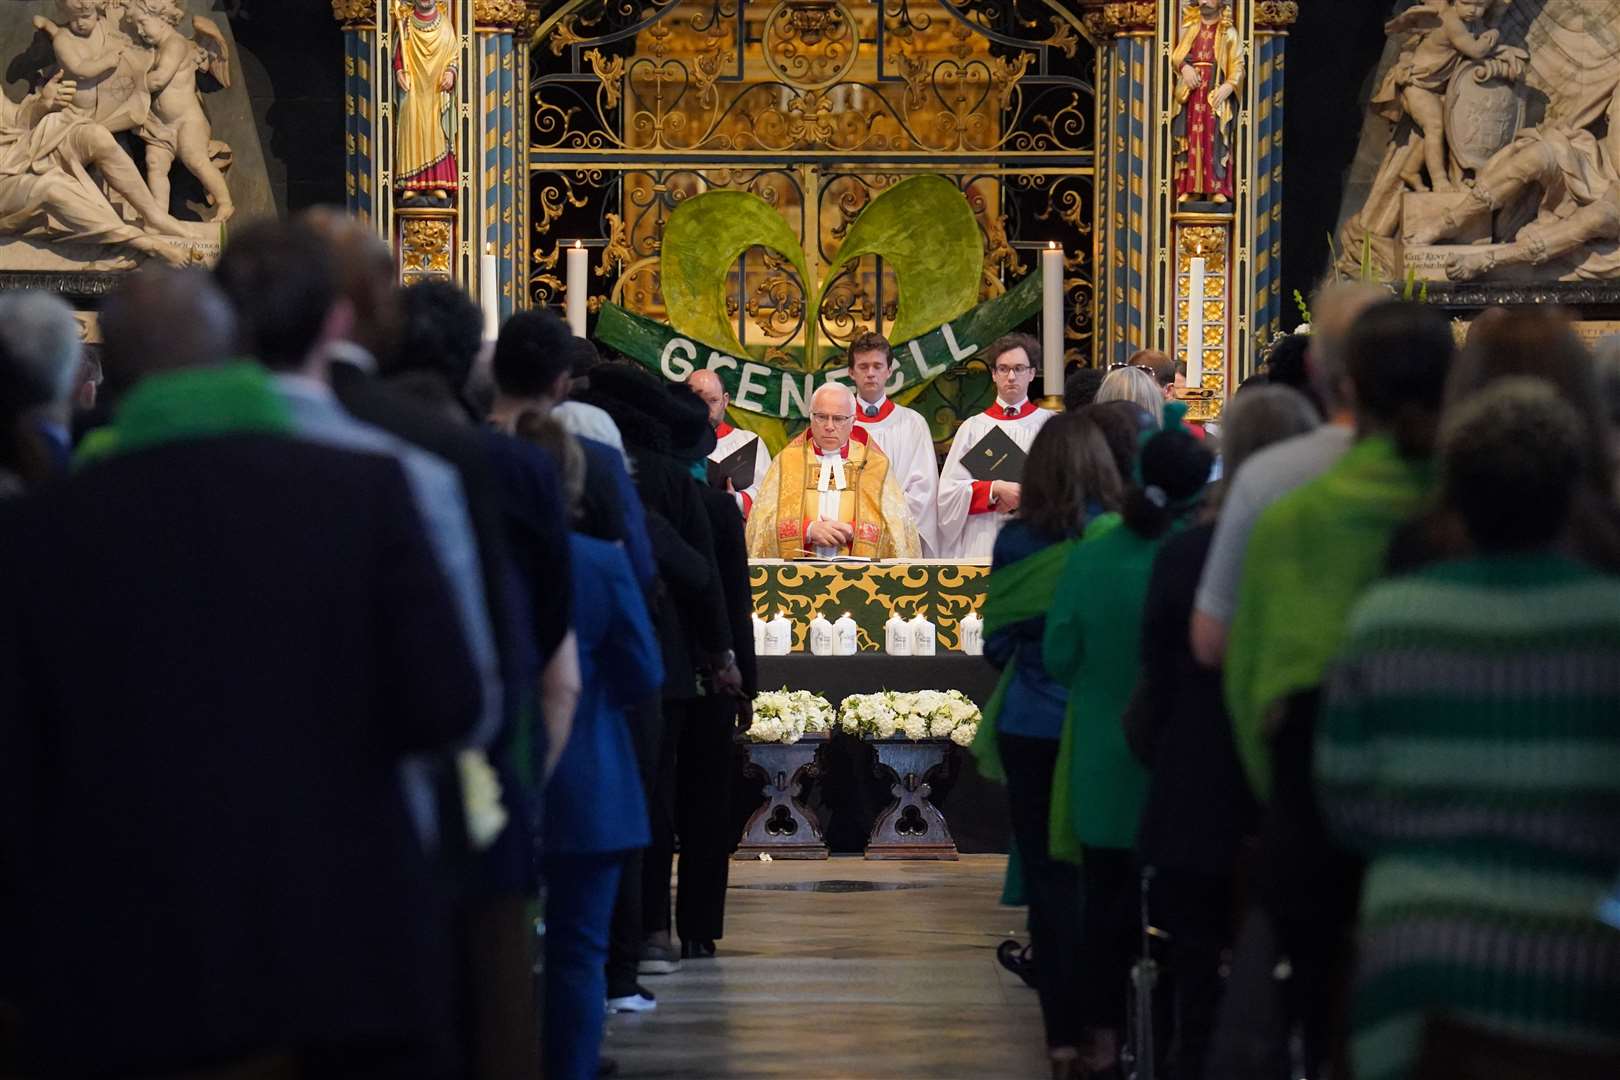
848, 795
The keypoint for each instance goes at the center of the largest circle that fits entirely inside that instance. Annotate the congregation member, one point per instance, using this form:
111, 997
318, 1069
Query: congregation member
1199, 811
595, 810
1276, 471
974, 503
901, 433
1136, 385
1080, 388
832, 493
1467, 750
1092, 645
1310, 556
1070, 480
733, 447
42, 383
276, 638
1171, 375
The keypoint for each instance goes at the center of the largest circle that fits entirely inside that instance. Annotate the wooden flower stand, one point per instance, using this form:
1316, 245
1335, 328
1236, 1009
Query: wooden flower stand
912, 827
784, 828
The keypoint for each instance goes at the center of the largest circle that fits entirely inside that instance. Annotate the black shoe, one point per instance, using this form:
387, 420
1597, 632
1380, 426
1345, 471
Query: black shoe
697, 949
1018, 959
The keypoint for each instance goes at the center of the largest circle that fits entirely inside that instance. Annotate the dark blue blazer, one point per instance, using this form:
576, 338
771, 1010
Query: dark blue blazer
594, 801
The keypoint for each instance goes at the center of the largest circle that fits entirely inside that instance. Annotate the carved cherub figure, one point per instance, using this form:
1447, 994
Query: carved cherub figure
1441, 35
179, 127
90, 53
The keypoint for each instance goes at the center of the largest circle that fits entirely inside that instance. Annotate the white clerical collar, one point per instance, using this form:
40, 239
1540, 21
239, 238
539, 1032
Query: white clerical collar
1011, 408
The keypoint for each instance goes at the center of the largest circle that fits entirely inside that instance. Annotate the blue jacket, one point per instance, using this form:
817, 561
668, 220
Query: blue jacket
1035, 702
594, 801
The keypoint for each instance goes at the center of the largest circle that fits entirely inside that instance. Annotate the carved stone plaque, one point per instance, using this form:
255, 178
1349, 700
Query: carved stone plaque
1481, 117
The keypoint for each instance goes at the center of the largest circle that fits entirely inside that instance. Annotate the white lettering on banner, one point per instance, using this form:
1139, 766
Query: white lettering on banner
838, 375
791, 388
668, 360
897, 379
958, 352
718, 360
923, 370
750, 385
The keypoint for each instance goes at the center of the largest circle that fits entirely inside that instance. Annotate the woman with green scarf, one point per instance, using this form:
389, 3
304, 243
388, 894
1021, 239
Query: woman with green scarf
1069, 480
1093, 645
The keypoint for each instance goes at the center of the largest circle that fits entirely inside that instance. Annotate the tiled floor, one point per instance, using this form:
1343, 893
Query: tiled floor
897, 982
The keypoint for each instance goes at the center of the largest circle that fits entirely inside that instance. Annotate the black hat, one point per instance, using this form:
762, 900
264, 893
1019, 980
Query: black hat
660, 415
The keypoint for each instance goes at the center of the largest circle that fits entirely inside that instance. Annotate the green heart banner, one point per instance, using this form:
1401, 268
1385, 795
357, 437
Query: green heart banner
783, 393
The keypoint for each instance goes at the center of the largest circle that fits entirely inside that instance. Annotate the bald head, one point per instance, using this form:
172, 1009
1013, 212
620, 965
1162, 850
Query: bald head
707, 385
1333, 312
161, 320
832, 415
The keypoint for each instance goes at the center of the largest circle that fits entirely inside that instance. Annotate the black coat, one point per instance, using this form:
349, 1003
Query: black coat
213, 656
1199, 807
731, 558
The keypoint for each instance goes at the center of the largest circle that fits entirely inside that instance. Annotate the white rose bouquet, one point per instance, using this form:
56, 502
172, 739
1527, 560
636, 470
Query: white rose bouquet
925, 714
786, 716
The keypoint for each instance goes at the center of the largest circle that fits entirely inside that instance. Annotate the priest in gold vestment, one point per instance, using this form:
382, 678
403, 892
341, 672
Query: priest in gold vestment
426, 66
830, 493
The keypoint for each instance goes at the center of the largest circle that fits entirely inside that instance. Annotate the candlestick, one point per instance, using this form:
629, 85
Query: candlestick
1052, 319
1195, 324
489, 292
578, 260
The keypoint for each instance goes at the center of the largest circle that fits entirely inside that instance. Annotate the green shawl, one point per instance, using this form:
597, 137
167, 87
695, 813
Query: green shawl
191, 403
1014, 593
1309, 558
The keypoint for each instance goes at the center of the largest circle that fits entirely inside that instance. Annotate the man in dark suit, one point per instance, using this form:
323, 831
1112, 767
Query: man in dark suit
205, 854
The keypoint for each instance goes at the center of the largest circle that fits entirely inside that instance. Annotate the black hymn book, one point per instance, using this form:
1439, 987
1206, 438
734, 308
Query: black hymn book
995, 457
737, 466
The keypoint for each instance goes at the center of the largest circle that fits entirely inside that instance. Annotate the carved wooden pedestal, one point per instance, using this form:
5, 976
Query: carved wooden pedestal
912, 827
784, 827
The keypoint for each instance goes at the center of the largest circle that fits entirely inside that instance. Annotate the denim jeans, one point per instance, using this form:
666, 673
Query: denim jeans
579, 905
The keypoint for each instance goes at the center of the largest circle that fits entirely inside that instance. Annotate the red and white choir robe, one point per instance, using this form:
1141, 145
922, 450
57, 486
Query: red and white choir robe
903, 436
727, 441
968, 524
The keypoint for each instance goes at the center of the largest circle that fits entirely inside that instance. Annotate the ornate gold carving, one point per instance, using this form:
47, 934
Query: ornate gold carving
1275, 14
1206, 241
810, 43
503, 14
425, 247
354, 14
1117, 17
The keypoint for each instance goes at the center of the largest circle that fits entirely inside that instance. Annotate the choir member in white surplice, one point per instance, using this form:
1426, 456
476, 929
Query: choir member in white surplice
972, 511
901, 433
731, 444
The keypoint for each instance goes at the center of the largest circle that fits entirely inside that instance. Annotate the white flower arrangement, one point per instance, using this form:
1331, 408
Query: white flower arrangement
786, 716
925, 714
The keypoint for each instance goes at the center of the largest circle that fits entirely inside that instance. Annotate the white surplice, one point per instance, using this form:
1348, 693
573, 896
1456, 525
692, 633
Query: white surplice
903, 436
968, 522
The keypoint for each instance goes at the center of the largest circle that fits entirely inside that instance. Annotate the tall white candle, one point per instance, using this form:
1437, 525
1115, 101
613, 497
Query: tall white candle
1052, 319
1195, 324
489, 292
578, 260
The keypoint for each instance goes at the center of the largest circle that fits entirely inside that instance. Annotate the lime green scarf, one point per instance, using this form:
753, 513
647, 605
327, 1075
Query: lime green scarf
1310, 556
192, 403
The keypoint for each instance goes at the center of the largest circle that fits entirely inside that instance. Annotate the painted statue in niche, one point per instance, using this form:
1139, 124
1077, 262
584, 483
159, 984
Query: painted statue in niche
1527, 135
426, 67
1208, 61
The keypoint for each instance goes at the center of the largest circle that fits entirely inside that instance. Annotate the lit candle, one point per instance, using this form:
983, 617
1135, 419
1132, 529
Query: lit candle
578, 259
1195, 324
489, 292
1052, 319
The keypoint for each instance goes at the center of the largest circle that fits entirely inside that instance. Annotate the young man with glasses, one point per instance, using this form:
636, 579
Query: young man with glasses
831, 493
901, 433
972, 511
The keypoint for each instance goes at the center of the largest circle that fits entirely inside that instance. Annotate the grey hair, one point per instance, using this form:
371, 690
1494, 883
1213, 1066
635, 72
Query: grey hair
849, 395
1334, 310
1137, 386
1255, 419
42, 336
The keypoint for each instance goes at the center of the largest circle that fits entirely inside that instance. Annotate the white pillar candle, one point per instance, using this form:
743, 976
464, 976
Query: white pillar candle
489, 293
1052, 319
578, 260
1195, 324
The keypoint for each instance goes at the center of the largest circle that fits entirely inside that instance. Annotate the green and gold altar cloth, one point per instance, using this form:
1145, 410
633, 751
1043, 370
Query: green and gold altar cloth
870, 592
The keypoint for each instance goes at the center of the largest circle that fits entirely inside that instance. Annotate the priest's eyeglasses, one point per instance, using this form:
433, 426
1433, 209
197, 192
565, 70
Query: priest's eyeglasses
1020, 369
832, 418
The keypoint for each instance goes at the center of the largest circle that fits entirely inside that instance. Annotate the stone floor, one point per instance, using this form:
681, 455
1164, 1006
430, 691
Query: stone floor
893, 977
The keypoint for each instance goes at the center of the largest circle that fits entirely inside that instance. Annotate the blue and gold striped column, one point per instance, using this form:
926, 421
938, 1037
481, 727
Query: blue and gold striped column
500, 92
358, 19
1270, 47
1126, 73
